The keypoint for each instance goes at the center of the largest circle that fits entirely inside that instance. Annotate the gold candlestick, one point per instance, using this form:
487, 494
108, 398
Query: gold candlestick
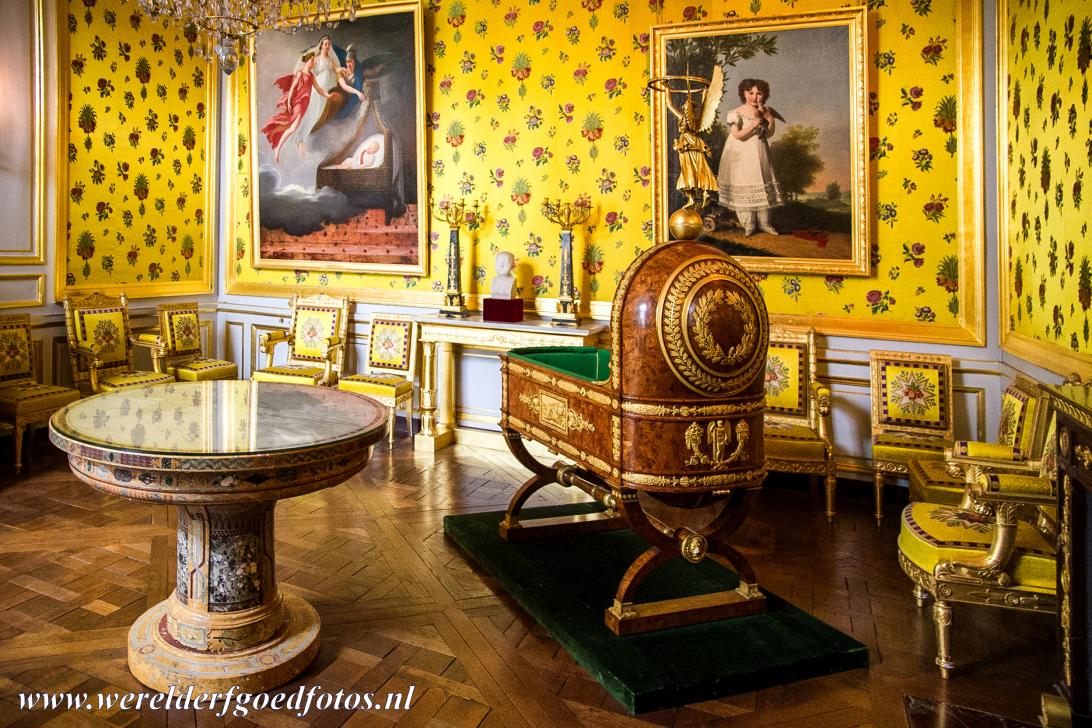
568, 215
455, 215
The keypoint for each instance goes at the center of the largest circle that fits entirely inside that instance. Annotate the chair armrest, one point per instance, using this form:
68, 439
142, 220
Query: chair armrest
821, 393
269, 340
996, 488
973, 449
91, 353
331, 344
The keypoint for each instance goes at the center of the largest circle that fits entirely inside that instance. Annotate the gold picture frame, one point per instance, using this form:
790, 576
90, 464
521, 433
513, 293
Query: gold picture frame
332, 177
824, 217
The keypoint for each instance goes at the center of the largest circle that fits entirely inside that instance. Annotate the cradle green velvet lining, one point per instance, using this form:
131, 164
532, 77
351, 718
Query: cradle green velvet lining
589, 363
566, 583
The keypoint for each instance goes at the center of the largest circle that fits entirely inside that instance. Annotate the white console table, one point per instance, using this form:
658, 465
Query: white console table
439, 337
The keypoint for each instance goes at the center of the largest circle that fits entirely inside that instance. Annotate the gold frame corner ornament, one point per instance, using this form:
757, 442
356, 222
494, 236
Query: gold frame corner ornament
858, 264
421, 268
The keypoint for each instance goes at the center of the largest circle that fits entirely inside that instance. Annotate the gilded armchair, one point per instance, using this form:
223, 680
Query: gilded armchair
1021, 435
176, 349
316, 343
23, 402
100, 344
911, 412
1000, 551
392, 361
797, 423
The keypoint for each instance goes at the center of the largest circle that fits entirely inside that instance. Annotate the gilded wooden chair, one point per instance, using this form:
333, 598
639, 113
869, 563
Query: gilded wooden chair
176, 349
23, 402
797, 423
392, 361
315, 339
1021, 435
100, 344
911, 412
1000, 551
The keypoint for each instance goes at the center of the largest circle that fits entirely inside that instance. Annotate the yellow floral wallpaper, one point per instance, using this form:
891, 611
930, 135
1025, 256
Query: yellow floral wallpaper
1044, 107
136, 188
532, 99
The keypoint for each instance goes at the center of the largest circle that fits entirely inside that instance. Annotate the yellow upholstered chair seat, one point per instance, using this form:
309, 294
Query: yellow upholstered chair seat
289, 374
911, 398
381, 386
932, 533
201, 369
930, 481
903, 448
27, 398
797, 442
23, 401
124, 380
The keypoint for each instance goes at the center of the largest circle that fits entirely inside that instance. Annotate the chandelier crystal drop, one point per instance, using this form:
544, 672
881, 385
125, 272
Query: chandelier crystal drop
225, 27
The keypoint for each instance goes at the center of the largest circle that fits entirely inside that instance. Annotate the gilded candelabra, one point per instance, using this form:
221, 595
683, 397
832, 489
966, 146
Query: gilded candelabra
455, 215
568, 215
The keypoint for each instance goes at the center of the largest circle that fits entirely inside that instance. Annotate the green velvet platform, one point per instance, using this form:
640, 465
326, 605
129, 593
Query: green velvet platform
566, 583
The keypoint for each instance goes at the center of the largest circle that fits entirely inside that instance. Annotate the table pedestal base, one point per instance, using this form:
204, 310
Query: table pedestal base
159, 661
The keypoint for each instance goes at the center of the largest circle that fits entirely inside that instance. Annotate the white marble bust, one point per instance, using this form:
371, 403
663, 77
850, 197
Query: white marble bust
504, 282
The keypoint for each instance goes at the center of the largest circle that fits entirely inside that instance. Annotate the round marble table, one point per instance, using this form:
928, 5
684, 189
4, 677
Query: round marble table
223, 453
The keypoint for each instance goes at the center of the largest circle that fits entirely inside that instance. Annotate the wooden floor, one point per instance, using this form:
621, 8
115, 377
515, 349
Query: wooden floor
400, 606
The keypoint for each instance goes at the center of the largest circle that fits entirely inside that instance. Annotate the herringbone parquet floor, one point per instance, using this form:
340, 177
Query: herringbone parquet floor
400, 606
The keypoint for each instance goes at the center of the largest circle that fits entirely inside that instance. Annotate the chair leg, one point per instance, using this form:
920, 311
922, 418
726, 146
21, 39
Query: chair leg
942, 618
877, 485
831, 487
409, 417
920, 596
390, 424
18, 436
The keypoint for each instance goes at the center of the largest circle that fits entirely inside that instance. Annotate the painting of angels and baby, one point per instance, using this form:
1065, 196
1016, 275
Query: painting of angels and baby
337, 125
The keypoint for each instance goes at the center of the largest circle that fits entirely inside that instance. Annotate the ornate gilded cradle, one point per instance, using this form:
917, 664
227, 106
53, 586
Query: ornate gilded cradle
665, 427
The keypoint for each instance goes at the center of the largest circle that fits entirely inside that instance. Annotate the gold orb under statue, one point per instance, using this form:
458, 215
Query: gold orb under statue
685, 223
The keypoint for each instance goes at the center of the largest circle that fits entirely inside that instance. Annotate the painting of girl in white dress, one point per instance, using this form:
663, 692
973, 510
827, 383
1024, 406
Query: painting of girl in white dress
789, 143
337, 153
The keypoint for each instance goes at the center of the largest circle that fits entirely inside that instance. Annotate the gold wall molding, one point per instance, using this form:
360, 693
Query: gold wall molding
37, 298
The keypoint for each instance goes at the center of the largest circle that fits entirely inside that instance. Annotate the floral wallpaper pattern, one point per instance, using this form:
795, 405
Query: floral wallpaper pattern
138, 108
1049, 151
548, 98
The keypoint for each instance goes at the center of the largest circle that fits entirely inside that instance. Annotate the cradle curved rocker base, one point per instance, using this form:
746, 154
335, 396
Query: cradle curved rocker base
622, 510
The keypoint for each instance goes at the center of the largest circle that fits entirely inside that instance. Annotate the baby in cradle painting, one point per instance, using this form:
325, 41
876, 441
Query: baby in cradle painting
368, 155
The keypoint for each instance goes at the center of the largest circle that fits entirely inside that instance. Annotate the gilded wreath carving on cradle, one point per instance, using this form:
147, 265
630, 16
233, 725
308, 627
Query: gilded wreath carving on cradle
674, 305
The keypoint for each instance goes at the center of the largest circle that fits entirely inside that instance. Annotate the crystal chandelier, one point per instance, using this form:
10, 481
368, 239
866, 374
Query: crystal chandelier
228, 25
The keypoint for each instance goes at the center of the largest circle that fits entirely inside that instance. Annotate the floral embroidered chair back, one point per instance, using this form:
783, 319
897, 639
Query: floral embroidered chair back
16, 352
315, 319
790, 370
911, 393
181, 329
392, 346
1023, 417
911, 413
